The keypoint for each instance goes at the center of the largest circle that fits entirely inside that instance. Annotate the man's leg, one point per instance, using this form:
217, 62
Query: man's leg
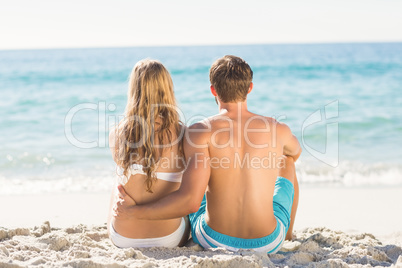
289, 234
289, 172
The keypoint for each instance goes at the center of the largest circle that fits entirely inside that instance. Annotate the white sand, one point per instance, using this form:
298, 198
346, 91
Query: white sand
83, 246
353, 211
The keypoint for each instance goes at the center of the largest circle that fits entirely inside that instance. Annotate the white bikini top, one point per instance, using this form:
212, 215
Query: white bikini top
135, 169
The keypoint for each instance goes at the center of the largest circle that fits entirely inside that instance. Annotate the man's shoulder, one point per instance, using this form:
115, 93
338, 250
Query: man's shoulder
208, 123
280, 127
199, 131
266, 119
200, 125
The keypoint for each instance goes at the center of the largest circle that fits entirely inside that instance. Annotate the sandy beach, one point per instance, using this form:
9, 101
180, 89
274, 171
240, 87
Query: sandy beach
71, 72
339, 227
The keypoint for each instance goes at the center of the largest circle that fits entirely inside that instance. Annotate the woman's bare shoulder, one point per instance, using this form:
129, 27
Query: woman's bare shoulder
113, 140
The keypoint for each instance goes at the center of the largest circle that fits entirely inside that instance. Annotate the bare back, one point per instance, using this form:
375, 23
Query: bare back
170, 161
245, 151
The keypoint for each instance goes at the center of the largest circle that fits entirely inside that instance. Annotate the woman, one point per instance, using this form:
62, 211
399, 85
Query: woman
148, 153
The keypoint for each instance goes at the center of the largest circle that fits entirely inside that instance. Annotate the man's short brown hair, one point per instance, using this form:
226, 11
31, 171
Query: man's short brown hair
231, 77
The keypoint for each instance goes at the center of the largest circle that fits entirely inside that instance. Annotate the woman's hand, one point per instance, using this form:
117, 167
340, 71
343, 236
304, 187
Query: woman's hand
123, 205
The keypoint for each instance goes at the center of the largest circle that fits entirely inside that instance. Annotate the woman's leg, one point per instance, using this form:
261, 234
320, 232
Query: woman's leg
186, 234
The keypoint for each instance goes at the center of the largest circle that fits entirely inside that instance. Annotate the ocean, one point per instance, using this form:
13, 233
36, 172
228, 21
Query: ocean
343, 102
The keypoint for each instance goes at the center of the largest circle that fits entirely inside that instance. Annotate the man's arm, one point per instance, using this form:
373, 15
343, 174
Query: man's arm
188, 197
291, 146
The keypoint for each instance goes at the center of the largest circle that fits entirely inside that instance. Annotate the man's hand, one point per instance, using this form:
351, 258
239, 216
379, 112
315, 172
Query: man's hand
123, 205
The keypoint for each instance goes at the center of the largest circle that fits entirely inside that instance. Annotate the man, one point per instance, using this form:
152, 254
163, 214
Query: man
240, 168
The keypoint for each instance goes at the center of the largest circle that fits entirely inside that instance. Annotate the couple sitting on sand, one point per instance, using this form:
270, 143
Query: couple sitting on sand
230, 178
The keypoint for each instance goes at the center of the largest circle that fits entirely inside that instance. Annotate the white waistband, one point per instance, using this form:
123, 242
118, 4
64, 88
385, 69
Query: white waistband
206, 240
170, 241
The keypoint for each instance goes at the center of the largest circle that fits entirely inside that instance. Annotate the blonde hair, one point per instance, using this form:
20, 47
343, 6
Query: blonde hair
150, 97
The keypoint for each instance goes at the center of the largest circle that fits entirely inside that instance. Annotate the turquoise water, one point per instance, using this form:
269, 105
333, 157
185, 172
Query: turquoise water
359, 84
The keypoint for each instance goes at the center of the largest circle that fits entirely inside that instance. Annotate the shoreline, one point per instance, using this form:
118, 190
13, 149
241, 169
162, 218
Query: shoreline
346, 209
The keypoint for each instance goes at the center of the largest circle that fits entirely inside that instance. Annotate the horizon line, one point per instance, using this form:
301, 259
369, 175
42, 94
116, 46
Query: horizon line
205, 45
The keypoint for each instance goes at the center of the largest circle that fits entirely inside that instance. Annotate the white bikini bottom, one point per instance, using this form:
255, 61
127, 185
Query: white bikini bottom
169, 241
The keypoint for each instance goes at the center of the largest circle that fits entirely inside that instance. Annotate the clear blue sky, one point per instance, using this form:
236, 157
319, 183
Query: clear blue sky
89, 23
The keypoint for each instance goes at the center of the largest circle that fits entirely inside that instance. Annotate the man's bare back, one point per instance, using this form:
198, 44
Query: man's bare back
245, 161
245, 154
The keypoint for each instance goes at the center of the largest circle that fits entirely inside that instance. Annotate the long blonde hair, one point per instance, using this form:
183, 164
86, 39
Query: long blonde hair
150, 100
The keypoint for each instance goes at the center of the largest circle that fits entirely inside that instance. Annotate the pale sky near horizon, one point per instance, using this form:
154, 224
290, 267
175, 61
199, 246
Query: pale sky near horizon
28, 24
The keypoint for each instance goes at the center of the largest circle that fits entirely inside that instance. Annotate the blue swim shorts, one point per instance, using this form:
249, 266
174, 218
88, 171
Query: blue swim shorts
282, 203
